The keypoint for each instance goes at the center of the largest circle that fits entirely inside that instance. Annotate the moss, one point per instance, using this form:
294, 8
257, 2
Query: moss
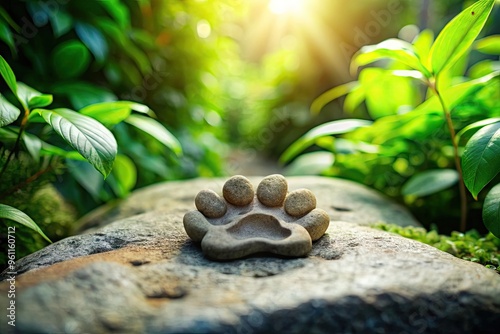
39, 200
470, 246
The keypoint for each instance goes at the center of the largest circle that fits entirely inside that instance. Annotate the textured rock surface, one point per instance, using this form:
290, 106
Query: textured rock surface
239, 228
143, 274
355, 280
342, 200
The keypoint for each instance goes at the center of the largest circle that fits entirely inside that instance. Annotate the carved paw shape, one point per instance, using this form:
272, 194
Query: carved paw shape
245, 222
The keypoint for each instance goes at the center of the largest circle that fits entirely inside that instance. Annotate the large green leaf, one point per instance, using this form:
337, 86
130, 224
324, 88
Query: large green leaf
8, 75
327, 129
491, 211
8, 112
458, 35
8, 212
332, 94
430, 182
112, 113
86, 135
157, 130
481, 158
70, 59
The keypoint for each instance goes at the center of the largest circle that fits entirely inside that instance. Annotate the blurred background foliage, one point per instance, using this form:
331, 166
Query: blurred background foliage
223, 76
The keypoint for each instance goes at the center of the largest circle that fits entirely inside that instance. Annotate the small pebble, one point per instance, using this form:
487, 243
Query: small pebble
272, 190
210, 204
238, 191
300, 202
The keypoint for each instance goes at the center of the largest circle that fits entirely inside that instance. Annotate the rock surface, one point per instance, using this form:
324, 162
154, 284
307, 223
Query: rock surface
143, 274
342, 200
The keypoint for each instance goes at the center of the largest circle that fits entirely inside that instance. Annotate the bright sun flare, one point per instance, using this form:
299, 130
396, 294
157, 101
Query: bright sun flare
285, 6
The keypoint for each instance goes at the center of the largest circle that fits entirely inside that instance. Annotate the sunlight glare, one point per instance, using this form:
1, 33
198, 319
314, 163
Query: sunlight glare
285, 6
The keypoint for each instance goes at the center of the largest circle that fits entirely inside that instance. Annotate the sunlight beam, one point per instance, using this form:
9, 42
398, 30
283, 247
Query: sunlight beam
280, 7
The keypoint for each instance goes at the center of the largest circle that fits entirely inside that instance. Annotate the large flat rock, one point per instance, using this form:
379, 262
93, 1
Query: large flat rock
142, 274
343, 200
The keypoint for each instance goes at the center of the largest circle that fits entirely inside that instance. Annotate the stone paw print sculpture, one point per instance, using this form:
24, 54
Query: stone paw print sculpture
245, 222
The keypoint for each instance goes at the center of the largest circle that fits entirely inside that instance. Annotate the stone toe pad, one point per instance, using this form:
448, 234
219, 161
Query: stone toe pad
245, 222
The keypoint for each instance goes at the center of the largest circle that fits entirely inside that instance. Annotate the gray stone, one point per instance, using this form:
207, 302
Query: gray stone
272, 190
300, 202
210, 204
238, 191
156, 280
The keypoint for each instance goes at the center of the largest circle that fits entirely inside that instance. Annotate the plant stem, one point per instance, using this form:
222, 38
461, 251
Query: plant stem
461, 184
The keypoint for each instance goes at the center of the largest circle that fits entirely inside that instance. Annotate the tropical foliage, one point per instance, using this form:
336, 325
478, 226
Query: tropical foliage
417, 97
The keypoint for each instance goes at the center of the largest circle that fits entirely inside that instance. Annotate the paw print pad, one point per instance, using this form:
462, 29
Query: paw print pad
244, 222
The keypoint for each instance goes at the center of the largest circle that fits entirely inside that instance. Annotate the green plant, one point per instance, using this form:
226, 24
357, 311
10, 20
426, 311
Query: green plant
470, 246
412, 144
86, 141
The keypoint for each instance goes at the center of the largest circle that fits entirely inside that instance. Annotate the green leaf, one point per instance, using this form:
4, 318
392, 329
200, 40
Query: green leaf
8, 212
123, 177
117, 34
395, 49
310, 164
458, 35
454, 95
88, 178
33, 145
86, 135
40, 101
386, 93
422, 45
51, 150
8, 112
491, 211
70, 59
118, 11
327, 129
8, 75
430, 182
61, 22
321, 101
157, 130
7, 37
483, 68
112, 113
471, 129
31, 97
489, 45
93, 39
480, 160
